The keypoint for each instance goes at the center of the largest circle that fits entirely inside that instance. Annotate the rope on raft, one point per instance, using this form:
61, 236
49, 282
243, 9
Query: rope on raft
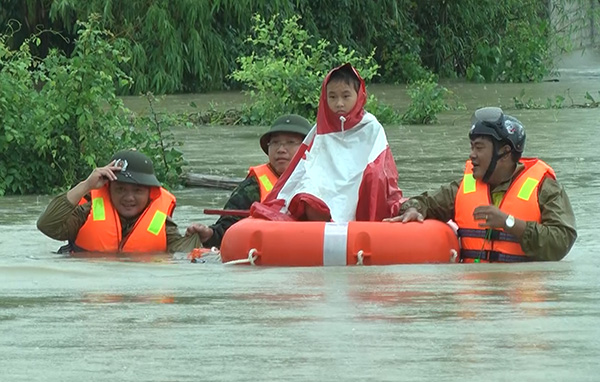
360, 258
453, 256
250, 260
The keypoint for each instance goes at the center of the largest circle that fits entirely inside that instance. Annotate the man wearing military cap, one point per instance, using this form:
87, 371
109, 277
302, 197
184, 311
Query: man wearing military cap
280, 144
120, 207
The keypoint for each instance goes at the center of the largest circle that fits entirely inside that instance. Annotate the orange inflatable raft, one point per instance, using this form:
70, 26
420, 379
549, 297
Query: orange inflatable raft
262, 242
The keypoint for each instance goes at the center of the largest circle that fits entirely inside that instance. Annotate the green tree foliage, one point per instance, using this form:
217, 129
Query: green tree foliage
486, 40
16, 105
174, 45
385, 26
60, 117
285, 71
188, 46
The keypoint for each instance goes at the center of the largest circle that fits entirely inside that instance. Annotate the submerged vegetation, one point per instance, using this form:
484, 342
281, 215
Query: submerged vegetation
556, 102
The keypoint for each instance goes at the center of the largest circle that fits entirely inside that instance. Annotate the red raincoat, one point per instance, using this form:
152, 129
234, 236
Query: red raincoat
344, 168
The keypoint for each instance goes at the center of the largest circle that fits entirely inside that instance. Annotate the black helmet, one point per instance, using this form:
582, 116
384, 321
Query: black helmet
503, 128
291, 123
136, 168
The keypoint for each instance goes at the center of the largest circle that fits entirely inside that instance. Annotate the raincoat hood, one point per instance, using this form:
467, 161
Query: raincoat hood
328, 121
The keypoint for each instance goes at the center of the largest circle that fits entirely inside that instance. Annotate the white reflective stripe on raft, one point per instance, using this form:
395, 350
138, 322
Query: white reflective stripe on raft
334, 243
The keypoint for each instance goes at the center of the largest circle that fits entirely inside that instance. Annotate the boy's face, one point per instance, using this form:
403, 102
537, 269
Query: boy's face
341, 97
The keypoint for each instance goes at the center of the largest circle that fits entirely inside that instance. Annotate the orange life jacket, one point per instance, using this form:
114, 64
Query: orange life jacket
102, 230
520, 200
266, 178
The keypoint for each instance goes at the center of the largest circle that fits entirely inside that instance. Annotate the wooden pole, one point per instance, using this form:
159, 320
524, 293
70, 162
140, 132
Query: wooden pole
211, 181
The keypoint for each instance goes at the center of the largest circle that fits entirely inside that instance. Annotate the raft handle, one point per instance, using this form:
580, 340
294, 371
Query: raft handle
252, 257
360, 257
453, 256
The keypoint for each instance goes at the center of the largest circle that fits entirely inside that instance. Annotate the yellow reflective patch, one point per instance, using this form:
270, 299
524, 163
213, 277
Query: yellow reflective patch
527, 188
98, 212
158, 221
469, 184
264, 180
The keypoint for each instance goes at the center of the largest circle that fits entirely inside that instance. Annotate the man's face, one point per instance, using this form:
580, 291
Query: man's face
481, 156
341, 97
129, 199
282, 147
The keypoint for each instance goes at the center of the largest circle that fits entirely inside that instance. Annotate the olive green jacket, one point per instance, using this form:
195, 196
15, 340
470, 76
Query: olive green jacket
549, 240
61, 221
246, 193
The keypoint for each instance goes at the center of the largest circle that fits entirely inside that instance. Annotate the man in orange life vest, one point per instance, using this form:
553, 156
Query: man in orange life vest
128, 211
507, 208
280, 143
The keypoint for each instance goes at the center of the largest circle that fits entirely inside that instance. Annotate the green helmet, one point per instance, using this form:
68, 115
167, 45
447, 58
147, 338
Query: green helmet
136, 168
291, 123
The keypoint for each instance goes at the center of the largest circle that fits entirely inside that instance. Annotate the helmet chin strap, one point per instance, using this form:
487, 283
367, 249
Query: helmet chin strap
493, 161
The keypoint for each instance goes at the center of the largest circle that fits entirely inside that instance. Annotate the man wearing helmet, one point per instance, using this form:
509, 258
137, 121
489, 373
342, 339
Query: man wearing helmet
280, 144
119, 208
507, 208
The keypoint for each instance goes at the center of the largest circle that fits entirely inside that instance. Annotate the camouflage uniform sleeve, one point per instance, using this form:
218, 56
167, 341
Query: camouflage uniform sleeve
241, 198
178, 243
553, 238
61, 220
438, 205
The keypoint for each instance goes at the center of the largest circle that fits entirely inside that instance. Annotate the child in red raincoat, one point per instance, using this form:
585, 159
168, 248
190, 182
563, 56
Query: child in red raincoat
344, 170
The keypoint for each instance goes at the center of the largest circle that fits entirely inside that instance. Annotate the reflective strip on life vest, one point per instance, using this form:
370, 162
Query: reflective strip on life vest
99, 213
158, 221
469, 184
527, 188
266, 183
265, 177
335, 243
